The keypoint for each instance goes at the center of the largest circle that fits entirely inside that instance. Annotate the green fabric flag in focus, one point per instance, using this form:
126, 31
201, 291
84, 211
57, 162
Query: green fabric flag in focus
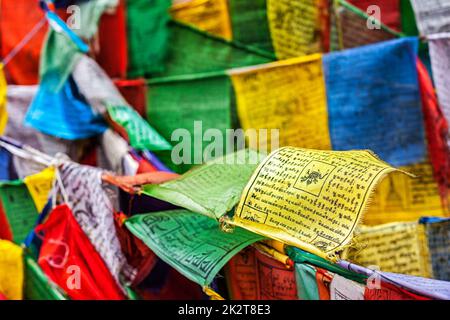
192, 51
212, 189
148, 36
19, 209
250, 24
191, 243
194, 104
140, 134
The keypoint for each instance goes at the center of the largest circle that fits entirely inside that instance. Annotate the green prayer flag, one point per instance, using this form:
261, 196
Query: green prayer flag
194, 104
408, 18
59, 57
250, 24
141, 135
19, 208
148, 36
212, 189
305, 277
37, 284
192, 51
191, 243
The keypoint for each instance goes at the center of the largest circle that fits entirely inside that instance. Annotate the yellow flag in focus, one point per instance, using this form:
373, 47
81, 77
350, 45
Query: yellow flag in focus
39, 185
309, 198
11, 270
3, 110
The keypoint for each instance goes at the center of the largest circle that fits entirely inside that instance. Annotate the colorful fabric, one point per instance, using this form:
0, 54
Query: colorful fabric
253, 275
171, 112
5, 162
192, 51
23, 69
432, 16
135, 93
39, 186
439, 247
396, 247
344, 289
275, 280
409, 26
359, 103
437, 129
19, 100
93, 210
212, 189
293, 195
323, 279
440, 62
37, 285
3, 110
60, 54
166, 283
95, 85
69, 259
305, 276
391, 292
140, 134
113, 149
294, 27
400, 198
303, 257
211, 16
431, 288
138, 255
11, 270
249, 23
285, 96
148, 36
5, 229
389, 10
19, 208
64, 114
350, 28
113, 45
191, 243
242, 279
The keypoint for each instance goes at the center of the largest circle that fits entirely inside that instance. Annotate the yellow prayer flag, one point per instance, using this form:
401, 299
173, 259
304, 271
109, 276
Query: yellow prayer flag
399, 198
287, 95
294, 27
394, 247
309, 198
11, 270
208, 15
3, 110
39, 185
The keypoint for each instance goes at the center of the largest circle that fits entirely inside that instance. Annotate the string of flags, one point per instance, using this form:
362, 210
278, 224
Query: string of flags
224, 149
